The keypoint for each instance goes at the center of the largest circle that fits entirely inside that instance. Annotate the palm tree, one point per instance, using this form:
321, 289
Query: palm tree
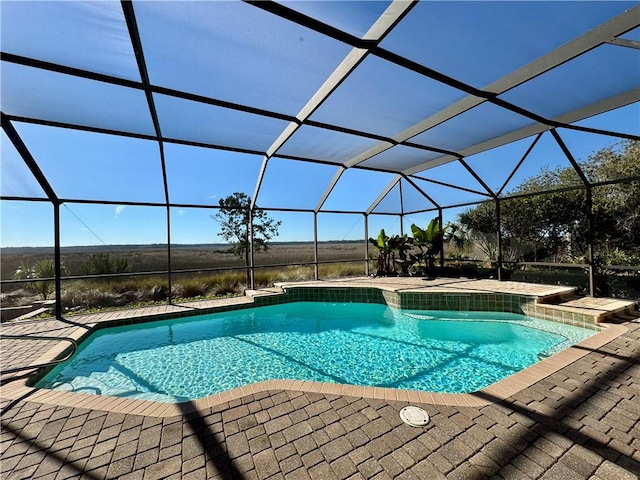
458, 236
44, 268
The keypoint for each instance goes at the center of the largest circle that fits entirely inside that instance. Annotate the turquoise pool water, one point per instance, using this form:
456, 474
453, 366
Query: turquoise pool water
358, 344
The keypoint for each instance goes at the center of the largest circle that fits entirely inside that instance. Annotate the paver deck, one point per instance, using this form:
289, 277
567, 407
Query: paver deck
582, 420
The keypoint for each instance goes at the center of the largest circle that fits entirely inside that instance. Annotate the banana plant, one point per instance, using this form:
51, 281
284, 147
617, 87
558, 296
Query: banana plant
387, 246
429, 241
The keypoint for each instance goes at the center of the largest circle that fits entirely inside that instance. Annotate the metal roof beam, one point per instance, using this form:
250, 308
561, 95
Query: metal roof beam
623, 42
517, 167
24, 152
385, 23
449, 185
425, 194
563, 120
383, 194
329, 188
595, 37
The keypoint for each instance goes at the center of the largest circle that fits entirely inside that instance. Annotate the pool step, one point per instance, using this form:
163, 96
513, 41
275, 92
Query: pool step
262, 292
601, 309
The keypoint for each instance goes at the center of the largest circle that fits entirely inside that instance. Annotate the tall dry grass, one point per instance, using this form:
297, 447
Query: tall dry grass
95, 295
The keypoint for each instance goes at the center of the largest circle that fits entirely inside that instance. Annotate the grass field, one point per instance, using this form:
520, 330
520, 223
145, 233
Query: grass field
153, 258
129, 290
213, 272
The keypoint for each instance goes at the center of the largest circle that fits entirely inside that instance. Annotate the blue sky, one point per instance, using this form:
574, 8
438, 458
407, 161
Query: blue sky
31, 223
85, 166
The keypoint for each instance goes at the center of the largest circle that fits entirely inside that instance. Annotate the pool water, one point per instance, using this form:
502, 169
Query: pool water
349, 343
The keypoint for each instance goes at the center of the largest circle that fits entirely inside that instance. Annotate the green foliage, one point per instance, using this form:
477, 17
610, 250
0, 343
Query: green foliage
387, 248
235, 217
480, 224
429, 241
102, 263
41, 269
553, 226
457, 235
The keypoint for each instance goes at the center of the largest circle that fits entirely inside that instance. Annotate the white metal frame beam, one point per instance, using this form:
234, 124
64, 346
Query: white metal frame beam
605, 33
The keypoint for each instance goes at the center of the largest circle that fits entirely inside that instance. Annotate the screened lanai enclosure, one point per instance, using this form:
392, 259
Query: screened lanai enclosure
125, 124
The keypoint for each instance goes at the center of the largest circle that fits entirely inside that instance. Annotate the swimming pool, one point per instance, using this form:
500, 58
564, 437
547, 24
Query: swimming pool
349, 343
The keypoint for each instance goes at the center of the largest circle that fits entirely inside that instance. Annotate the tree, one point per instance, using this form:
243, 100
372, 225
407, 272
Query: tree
100, 263
235, 217
44, 268
616, 207
458, 236
480, 224
554, 225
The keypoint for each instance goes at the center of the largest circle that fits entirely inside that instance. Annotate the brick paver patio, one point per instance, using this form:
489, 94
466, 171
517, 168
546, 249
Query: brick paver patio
583, 421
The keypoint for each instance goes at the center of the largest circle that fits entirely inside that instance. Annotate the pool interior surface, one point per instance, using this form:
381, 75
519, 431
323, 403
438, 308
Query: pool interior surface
348, 343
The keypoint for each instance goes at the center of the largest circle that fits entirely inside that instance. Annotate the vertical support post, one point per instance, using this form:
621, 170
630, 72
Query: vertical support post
366, 245
440, 222
57, 260
498, 239
251, 271
315, 246
169, 274
589, 202
401, 209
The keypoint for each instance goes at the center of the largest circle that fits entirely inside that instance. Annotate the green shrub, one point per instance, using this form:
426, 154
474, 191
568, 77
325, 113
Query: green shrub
102, 263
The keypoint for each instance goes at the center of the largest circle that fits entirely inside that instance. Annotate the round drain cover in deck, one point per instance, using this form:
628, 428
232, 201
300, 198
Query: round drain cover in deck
414, 416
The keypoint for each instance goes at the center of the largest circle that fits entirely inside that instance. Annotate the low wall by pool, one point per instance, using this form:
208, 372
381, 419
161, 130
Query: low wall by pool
480, 301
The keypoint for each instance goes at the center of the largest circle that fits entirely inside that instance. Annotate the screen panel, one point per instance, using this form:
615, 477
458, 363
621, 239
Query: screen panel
228, 51
41, 94
294, 184
95, 166
480, 42
114, 226
620, 120
27, 250
391, 203
632, 35
447, 196
87, 35
477, 125
382, 98
583, 81
545, 167
356, 190
352, 17
292, 245
341, 237
414, 200
24, 224
199, 122
453, 173
496, 165
326, 145
16, 180
400, 158
204, 176
603, 158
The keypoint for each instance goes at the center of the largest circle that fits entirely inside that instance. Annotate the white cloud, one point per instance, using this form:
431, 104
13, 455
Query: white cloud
119, 210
